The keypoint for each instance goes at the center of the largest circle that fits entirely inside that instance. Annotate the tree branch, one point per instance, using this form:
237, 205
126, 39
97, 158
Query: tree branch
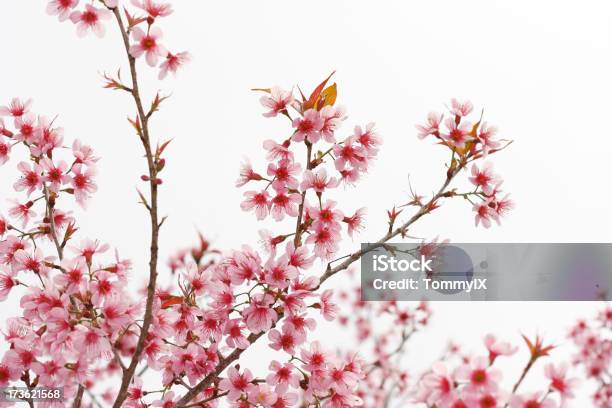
146, 142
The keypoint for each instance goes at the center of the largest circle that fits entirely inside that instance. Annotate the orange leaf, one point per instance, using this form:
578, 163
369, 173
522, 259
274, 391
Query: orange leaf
315, 95
328, 96
171, 301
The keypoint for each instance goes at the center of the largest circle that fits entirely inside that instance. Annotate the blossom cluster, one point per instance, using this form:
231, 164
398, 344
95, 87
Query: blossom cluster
470, 141
456, 379
594, 342
72, 305
475, 381
146, 36
79, 325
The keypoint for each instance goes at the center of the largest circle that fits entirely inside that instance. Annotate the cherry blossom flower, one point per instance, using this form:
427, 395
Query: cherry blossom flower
332, 116
440, 386
432, 127
284, 203
288, 340
325, 241
88, 248
498, 348
55, 174
92, 342
278, 272
559, 381
485, 137
236, 384
7, 282
484, 214
61, 8
479, 376
3, 225
82, 182
167, 400
329, 310
73, 277
483, 177
31, 178
90, 20
260, 201
278, 151
8, 374
235, 337
461, 109
317, 180
531, 401
355, 222
277, 101
22, 212
83, 154
5, 151
368, 139
172, 63
458, 134
148, 44
26, 127
153, 8
284, 174
259, 316
282, 376
16, 108
308, 127
261, 395
350, 153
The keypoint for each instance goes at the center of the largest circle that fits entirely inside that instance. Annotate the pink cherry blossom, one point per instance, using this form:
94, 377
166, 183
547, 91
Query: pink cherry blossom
559, 381
153, 8
90, 20
332, 116
483, 177
317, 180
82, 181
325, 240
5, 151
432, 127
283, 376
278, 101
284, 174
148, 44
458, 134
61, 8
173, 63
287, 340
308, 127
484, 214
259, 316
236, 383
26, 127
498, 348
531, 401
31, 178
479, 376
461, 109
55, 174
260, 201
350, 153
284, 203
16, 108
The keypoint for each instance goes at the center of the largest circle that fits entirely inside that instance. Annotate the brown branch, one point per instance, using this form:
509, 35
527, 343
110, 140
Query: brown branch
423, 210
128, 374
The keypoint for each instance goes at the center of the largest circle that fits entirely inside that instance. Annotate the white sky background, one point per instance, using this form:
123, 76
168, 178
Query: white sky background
540, 69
